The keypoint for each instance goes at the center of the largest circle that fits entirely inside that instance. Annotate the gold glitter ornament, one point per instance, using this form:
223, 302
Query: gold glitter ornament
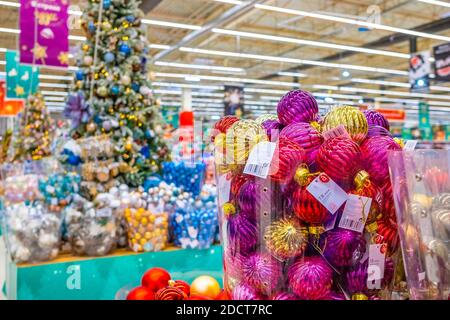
400, 142
263, 118
286, 238
228, 209
351, 118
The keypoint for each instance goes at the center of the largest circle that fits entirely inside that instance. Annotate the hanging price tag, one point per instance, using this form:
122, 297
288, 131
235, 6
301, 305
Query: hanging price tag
336, 132
224, 187
410, 145
327, 192
375, 270
355, 213
260, 158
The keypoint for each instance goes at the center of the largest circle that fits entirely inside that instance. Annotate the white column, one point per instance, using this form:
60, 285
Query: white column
186, 100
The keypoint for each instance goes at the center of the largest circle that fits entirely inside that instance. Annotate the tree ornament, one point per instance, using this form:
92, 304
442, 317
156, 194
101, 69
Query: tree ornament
205, 286
340, 158
243, 291
141, 293
286, 238
79, 75
255, 198
288, 156
115, 90
155, 279
284, 296
130, 18
297, 106
124, 49
109, 57
374, 118
102, 91
353, 120
223, 125
87, 60
135, 87
91, 27
242, 233
91, 127
125, 80
170, 293
310, 278
273, 128
106, 4
387, 229
144, 90
262, 271
106, 26
344, 248
377, 131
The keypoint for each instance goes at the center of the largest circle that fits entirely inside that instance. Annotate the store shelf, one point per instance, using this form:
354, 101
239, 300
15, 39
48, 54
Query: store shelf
70, 277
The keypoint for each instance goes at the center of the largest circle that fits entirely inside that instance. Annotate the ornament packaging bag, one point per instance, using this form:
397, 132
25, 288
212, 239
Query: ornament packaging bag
302, 209
187, 175
421, 188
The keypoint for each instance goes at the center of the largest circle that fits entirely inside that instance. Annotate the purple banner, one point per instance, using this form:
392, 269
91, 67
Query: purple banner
44, 33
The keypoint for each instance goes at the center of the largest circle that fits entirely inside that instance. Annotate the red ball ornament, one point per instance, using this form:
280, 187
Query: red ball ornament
170, 293
388, 206
288, 156
141, 293
222, 125
223, 295
388, 233
197, 297
182, 285
340, 159
237, 182
308, 209
155, 279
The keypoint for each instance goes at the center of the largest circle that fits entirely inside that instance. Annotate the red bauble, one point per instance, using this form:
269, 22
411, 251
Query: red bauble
237, 182
340, 158
287, 158
197, 297
223, 295
182, 285
222, 125
307, 208
388, 207
170, 293
387, 229
155, 279
141, 293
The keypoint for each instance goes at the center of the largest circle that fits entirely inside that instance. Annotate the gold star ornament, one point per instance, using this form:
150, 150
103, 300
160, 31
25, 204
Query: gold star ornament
40, 52
63, 57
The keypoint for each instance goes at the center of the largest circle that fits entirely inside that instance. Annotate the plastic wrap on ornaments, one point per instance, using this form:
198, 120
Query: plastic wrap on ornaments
58, 189
32, 233
92, 225
188, 176
193, 225
301, 229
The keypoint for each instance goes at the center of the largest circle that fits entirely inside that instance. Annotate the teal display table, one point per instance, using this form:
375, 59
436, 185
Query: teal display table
101, 278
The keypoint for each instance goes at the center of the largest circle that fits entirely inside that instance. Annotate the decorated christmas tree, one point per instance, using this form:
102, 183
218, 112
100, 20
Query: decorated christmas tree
112, 93
32, 140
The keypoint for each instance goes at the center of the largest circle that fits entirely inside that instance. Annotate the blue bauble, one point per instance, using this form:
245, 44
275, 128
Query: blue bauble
145, 151
151, 182
149, 134
106, 4
79, 75
135, 87
97, 119
130, 18
109, 57
73, 160
115, 90
91, 27
124, 49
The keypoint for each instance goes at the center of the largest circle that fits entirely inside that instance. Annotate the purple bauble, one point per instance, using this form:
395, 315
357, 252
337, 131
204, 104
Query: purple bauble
335, 296
273, 128
242, 234
374, 118
284, 296
297, 106
255, 198
262, 271
310, 278
306, 136
378, 131
243, 291
344, 248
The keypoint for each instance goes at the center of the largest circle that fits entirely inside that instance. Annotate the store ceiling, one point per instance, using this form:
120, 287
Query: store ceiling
266, 47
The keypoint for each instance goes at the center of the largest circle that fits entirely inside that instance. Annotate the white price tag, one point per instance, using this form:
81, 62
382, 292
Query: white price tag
410, 145
327, 192
375, 270
336, 132
104, 212
224, 187
260, 158
355, 213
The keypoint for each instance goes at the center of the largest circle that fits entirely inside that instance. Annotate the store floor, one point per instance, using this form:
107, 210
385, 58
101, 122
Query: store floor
2, 266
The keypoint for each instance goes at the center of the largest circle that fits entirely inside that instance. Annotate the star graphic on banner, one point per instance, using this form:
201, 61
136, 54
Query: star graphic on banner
40, 52
63, 57
19, 91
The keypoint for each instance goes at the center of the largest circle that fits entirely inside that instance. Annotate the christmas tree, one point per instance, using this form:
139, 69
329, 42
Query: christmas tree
32, 140
112, 93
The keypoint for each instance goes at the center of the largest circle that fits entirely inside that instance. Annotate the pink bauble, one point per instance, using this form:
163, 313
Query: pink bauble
297, 106
287, 157
284, 296
374, 118
340, 159
262, 271
310, 278
375, 156
306, 136
243, 291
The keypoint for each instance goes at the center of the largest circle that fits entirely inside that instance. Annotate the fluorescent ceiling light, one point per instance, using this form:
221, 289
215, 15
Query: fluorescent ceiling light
9, 30
292, 60
53, 85
170, 24
395, 93
292, 74
10, 4
158, 46
52, 77
53, 93
236, 2
352, 21
310, 43
185, 85
77, 38
396, 84
197, 66
227, 79
436, 3
54, 98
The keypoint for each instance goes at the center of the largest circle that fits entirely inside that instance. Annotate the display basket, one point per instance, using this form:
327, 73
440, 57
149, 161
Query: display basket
421, 186
190, 176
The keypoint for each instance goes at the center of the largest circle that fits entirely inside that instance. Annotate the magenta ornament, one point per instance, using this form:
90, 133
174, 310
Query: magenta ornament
374, 118
273, 128
255, 198
297, 106
242, 233
374, 152
262, 271
344, 248
232, 263
310, 278
284, 296
243, 291
340, 158
306, 136
378, 131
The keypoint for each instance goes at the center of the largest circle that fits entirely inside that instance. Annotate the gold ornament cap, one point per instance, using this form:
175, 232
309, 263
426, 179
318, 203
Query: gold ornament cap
361, 178
359, 296
228, 209
316, 230
372, 227
302, 175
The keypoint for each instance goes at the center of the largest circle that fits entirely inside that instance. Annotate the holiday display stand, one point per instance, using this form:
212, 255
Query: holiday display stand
88, 278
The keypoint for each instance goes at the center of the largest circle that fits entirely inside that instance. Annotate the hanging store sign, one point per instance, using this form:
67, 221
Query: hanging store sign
44, 33
21, 80
8, 107
234, 101
419, 71
393, 114
442, 62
